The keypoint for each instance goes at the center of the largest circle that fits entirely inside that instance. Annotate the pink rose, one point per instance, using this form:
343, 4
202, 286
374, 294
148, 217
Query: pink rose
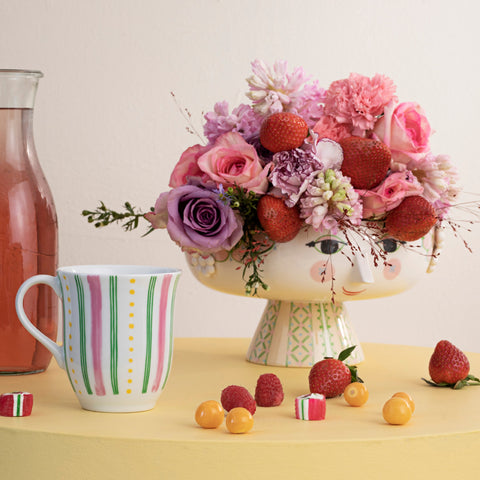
389, 194
232, 161
187, 166
405, 129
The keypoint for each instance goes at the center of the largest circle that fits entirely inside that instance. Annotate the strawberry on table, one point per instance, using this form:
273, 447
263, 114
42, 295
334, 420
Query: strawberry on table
411, 220
365, 161
283, 131
449, 367
281, 223
330, 376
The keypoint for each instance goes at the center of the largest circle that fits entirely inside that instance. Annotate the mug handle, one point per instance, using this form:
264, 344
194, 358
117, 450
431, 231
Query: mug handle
54, 283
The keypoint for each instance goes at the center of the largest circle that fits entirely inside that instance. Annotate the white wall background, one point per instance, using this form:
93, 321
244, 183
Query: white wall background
106, 127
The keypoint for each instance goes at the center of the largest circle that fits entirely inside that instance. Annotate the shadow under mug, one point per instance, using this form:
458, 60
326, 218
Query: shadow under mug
117, 332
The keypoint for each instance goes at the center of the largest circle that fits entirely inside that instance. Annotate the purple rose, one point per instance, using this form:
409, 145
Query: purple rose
199, 220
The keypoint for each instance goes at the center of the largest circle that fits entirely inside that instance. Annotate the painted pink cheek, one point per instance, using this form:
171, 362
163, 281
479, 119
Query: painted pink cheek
393, 269
322, 271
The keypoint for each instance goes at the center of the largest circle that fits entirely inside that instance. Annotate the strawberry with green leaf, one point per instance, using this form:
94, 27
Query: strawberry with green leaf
330, 376
449, 367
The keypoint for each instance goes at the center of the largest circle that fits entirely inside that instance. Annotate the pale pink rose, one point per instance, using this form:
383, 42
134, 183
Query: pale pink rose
159, 217
389, 194
187, 166
405, 129
233, 161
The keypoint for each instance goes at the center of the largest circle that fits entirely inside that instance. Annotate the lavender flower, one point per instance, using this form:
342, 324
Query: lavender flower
242, 120
328, 200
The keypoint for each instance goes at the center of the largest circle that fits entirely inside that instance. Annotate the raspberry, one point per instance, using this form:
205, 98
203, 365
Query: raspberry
269, 390
235, 396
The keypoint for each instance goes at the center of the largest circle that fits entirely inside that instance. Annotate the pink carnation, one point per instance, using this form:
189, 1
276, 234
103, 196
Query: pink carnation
291, 173
328, 127
359, 100
389, 194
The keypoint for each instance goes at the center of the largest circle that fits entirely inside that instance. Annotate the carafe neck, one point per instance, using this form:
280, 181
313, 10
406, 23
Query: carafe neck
18, 88
17, 97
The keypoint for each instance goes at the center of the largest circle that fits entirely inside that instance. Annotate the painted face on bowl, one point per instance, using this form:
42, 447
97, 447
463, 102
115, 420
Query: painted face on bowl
316, 265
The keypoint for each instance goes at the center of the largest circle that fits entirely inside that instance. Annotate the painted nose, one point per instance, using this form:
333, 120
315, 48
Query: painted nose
361, 272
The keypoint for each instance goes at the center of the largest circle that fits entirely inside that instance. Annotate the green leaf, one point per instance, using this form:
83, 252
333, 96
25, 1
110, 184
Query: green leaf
344, 354
469, 380
431, 382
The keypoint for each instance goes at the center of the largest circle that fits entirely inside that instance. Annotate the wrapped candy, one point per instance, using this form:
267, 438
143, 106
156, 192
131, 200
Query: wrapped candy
16, 404
310, 407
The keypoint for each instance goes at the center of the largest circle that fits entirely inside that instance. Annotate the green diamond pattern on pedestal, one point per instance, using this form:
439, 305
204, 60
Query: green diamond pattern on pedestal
297, 334
300, 342
264, 334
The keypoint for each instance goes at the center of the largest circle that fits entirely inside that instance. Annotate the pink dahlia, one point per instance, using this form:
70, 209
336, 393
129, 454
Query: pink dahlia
273, 90
309, 104
439, 178
242, 120
359, 100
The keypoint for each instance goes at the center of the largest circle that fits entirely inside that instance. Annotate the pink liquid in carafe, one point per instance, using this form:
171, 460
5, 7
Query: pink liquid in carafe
28, 244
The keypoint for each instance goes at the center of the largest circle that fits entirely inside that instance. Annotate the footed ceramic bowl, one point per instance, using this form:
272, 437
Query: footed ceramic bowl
309, 278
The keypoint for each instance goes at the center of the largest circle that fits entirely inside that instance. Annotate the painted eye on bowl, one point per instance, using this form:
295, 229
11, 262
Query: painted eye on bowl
389, 245
328, 245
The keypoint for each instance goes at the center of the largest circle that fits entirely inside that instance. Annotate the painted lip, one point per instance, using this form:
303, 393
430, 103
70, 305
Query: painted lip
352, 294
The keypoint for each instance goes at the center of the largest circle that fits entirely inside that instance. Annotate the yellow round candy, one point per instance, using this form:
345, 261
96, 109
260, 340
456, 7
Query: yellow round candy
239, 420
356, 394
209, 414
407, 397
397, 411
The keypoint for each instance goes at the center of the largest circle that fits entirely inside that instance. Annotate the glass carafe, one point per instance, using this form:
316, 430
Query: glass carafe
28, 228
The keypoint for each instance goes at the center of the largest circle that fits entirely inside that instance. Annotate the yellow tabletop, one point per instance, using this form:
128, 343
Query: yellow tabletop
62, 441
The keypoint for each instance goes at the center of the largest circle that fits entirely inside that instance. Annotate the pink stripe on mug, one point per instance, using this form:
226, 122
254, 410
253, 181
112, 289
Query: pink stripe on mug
161, 331
96, 338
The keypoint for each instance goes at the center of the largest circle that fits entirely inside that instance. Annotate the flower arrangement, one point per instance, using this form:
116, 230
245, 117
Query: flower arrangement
297, 156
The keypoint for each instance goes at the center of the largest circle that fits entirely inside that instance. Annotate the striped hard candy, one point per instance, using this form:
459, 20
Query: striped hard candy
310, 407
16, 404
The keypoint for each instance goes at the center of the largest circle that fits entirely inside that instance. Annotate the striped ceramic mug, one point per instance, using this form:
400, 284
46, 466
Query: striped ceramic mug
117, 332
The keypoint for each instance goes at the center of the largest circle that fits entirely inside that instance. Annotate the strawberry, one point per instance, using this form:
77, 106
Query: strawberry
365, 161
449, 367
236, 396
411, 220
269, 390
281, 223
283, 131
330, 376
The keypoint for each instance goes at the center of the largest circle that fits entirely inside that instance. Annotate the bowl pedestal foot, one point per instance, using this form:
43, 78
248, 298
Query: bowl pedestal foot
295, 334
